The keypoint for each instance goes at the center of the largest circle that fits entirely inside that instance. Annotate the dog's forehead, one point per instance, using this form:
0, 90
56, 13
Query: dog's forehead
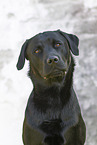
48, 35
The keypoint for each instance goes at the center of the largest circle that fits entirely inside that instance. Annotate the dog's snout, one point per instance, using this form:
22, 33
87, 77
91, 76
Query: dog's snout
52, 60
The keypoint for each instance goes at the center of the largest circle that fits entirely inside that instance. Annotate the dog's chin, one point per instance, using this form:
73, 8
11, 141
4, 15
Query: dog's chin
55, 78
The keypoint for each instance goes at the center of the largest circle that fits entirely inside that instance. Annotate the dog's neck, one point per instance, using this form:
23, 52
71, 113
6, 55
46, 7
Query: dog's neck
62, 91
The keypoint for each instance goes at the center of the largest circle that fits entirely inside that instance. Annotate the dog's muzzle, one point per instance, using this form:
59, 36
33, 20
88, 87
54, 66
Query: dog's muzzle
55, 75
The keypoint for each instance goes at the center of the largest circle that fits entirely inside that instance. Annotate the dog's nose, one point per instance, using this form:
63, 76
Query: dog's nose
52, 60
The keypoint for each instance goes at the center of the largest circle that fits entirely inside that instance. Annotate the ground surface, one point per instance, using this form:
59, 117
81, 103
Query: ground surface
20, 20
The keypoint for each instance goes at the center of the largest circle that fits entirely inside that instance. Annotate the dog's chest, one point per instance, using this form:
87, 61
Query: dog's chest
36, 116
53, 120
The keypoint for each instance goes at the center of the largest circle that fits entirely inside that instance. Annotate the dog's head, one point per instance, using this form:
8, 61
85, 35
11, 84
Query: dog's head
49, 54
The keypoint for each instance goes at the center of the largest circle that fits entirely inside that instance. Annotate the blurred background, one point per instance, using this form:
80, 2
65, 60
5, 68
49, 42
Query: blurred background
22, 19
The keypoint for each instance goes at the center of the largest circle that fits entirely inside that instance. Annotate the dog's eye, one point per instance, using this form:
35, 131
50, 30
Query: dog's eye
37, 51
57, 44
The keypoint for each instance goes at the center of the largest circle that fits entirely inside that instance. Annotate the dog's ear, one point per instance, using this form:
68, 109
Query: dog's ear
22, 56
73, 42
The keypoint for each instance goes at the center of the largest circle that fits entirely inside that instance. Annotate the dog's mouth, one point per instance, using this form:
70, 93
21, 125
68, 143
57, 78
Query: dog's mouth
55, 75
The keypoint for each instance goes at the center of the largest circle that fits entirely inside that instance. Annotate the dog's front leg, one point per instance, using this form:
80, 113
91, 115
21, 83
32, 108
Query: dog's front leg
80, 132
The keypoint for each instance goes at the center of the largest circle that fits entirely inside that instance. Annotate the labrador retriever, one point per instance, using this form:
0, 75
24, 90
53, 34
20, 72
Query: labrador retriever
53, 115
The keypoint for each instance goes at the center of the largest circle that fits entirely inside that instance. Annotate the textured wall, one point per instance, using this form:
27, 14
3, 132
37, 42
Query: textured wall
23, 19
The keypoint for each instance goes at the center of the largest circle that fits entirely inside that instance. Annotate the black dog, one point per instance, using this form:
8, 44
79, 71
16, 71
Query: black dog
53, 115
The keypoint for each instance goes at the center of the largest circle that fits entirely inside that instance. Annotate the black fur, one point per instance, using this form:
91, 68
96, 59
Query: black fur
52, 115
